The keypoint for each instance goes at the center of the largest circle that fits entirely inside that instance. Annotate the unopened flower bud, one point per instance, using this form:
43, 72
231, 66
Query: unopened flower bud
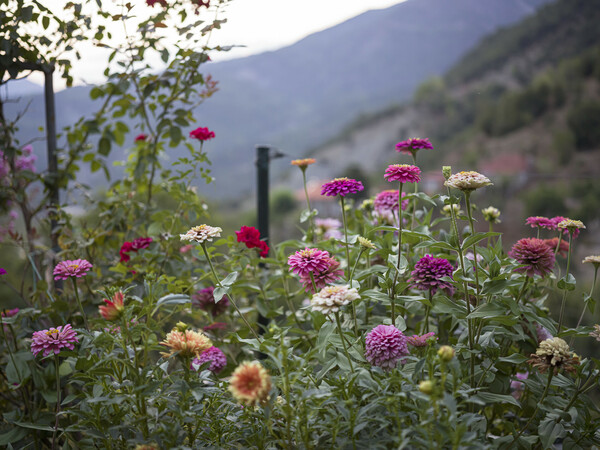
426, 387
181, 326
446, 171
446, 353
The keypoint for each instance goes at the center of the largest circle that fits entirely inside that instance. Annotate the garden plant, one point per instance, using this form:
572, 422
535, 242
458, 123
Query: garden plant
399, 326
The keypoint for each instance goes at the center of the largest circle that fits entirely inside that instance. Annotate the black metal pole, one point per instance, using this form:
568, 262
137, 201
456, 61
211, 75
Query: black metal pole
262, 207
52, 158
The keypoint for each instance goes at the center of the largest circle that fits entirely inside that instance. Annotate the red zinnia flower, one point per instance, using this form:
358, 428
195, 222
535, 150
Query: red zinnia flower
202, 134
141, 243
141, 137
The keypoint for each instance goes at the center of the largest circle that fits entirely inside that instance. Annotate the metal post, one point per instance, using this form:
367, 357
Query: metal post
52, 159
262, 194
262, 207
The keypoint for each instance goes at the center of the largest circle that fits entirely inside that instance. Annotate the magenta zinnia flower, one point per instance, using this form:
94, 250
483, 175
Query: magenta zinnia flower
215, 356
303, 262
53, 340
76, 268
412, 145
420, 341
542, 333
404, 173
341, 187
535, 255
2, 271
541, 222
385, 345
324, 277
429, 272
140, 137
205, 300
202, 134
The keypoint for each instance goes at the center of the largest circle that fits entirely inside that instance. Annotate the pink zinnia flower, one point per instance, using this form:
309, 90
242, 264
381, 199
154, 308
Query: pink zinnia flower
202, 134
113, 309
76, 268
323, 278
2, 271
558, 219
303, 262
385, 345
140, 243
420, 341
517, 386
215, 356
412, 145
328, 228
53, 340
404, 173
205, 300
429, 272
535, 255
141, 137
541, 222
563, 249
341, 187
385, 206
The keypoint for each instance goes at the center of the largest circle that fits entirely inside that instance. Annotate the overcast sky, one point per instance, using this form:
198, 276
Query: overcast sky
257, 25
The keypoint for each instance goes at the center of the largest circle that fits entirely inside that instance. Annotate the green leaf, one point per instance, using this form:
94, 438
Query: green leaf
475, 238
487, 311
13, 435
35, 426
173, 299
230, 279
104, 146
400, 323
307, 214
549, 430
219, 292
489, 397
567, 283
515, 358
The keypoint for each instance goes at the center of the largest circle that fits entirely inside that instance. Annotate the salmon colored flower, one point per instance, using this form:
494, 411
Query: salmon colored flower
113, 309
250, 384
186, 343
303, 163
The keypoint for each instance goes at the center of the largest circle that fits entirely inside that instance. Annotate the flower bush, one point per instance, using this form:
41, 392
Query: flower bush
416, 333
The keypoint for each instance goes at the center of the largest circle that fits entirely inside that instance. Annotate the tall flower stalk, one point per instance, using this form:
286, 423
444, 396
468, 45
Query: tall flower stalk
302, 164
572, 226
404, 173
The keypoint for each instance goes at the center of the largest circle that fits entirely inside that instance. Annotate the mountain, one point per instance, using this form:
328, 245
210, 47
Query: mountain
297, 97
522, 107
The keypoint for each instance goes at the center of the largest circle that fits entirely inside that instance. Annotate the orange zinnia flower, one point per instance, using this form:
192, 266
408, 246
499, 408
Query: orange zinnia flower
186, 343
250, 383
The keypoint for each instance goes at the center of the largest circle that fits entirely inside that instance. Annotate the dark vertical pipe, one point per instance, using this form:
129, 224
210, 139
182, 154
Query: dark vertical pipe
51, 147
262, 206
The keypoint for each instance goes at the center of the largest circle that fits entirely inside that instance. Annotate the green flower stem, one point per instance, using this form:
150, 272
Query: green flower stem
564, 298
465, 286
10, 353
314, 284
346, 240
311, 231
427, 309
522, 291
355, 264
218, 281
414, 202
550, 375
57, 372
591, 292
584, 305
397, 271
339, 327
472, 227
79, 303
